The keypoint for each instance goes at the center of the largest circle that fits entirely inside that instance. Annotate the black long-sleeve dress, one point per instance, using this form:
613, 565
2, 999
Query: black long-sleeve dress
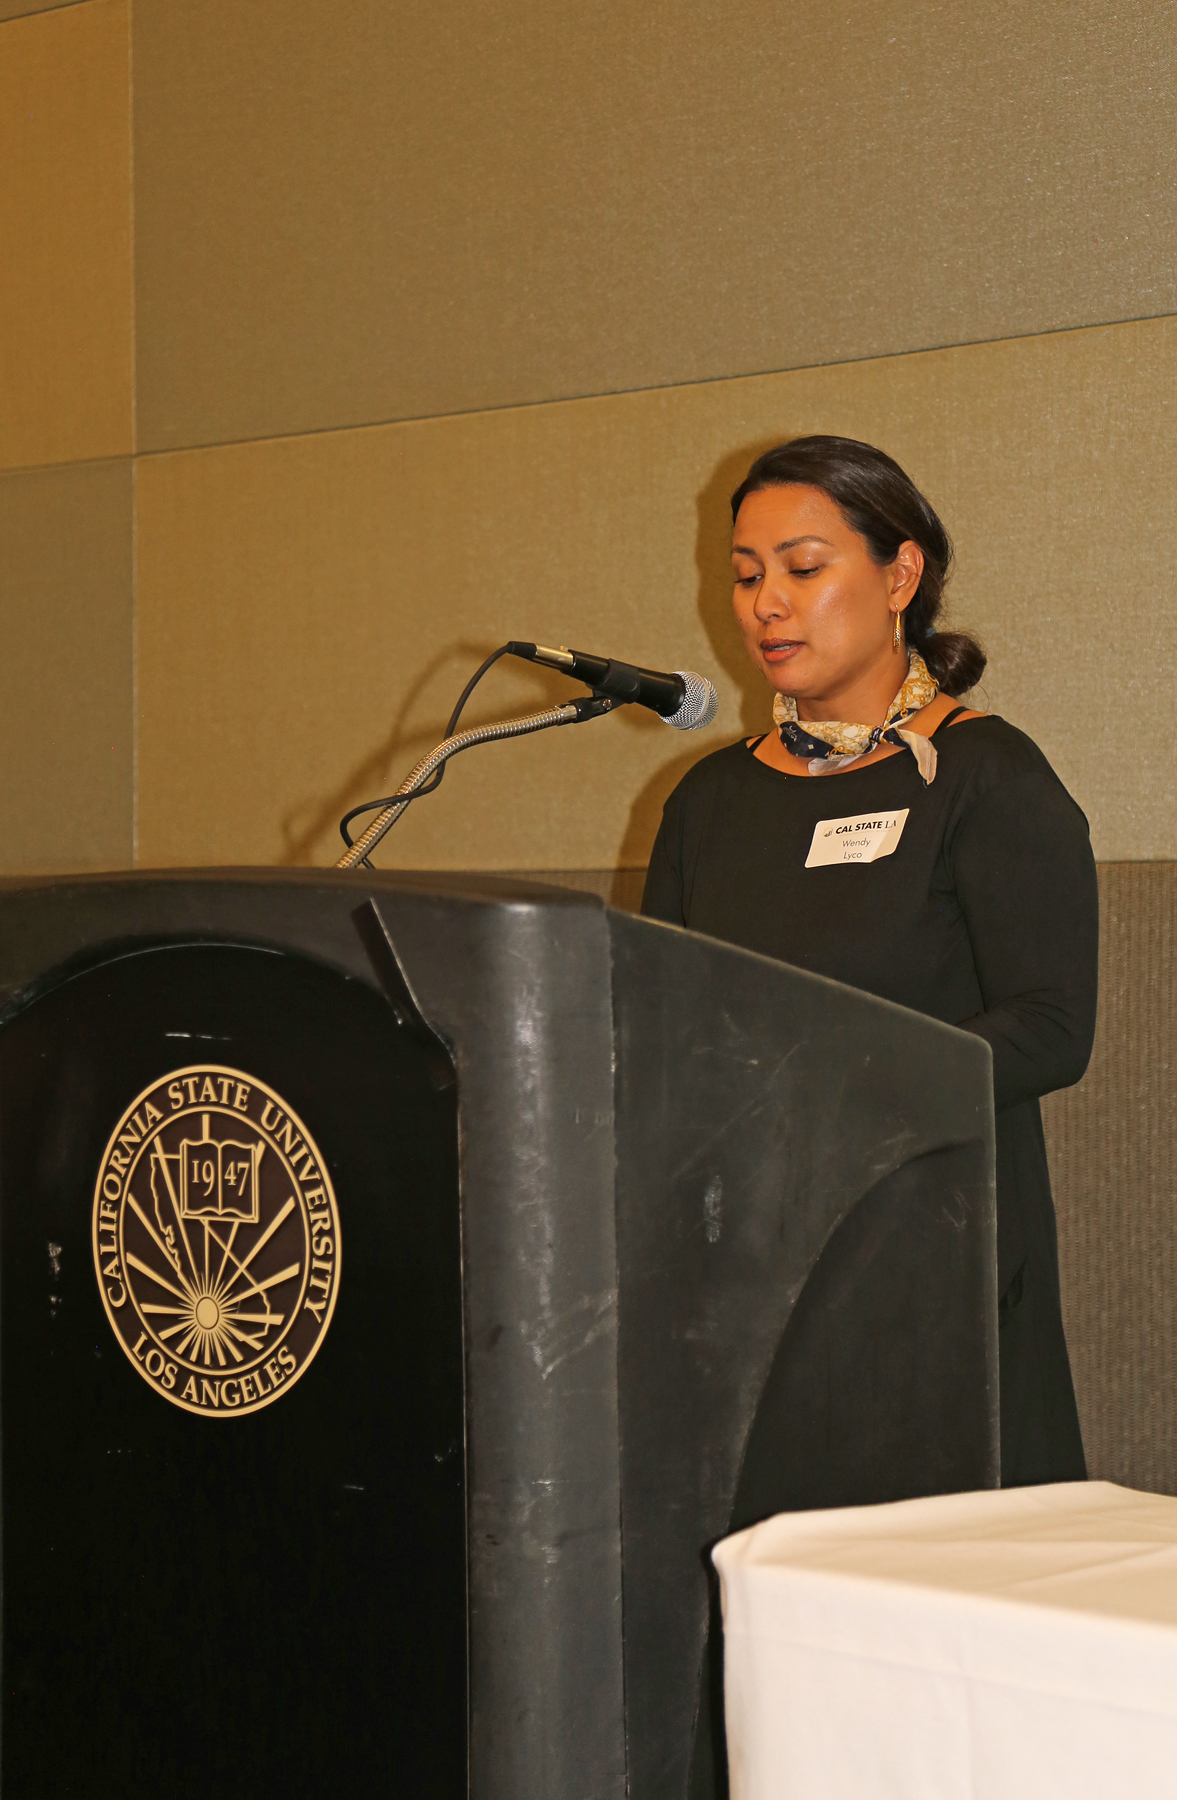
985, 915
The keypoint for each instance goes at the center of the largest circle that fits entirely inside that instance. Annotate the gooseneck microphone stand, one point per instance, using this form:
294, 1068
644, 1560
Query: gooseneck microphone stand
574, 712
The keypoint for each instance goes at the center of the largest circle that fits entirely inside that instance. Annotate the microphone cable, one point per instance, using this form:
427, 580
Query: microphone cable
432, 785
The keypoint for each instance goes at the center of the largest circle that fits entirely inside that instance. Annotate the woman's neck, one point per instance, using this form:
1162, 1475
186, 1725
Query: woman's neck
863, 699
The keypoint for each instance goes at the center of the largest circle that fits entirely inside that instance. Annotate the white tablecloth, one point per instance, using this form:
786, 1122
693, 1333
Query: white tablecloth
1019, 1645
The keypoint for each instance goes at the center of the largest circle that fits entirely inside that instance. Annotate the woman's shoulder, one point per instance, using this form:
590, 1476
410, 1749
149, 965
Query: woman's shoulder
990, 756
988, 741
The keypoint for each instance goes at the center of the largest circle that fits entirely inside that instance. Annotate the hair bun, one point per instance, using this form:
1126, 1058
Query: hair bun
955, 659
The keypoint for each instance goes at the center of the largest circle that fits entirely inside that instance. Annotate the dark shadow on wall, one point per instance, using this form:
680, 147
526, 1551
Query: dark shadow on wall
645, 814
312, 825
313, 822
713, 538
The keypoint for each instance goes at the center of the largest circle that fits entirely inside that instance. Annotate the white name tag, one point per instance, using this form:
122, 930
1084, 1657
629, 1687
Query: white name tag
862, 839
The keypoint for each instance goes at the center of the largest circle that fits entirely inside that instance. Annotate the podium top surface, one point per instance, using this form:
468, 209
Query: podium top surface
53, 925
466, 884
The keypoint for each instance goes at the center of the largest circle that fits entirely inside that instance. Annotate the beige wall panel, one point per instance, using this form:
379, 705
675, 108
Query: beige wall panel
66, 669
350, 212
19, 9
309, 608
65, 235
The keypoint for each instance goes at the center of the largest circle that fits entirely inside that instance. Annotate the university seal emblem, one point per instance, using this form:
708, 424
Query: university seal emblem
216, 1241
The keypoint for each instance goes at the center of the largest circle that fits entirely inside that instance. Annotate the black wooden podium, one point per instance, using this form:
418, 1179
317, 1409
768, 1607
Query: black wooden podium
403, 1280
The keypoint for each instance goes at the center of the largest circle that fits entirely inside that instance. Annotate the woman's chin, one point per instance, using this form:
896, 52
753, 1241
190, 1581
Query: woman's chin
787, 678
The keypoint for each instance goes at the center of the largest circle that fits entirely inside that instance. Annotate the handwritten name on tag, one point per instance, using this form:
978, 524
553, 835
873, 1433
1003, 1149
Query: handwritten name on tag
862, 839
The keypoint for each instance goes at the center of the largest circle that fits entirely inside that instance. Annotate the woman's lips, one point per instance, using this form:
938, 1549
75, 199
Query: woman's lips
779, 650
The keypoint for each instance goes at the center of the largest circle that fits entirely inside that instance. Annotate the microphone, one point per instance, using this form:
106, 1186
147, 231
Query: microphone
685, 700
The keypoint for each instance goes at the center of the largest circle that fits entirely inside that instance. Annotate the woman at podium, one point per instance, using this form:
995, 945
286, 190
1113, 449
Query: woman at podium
891, 837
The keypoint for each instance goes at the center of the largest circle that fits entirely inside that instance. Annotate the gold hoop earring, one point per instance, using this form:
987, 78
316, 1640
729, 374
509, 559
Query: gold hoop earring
897, 640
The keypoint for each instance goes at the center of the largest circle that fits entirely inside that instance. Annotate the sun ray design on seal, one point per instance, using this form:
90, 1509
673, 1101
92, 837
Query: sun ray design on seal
225, 1248
211, 1317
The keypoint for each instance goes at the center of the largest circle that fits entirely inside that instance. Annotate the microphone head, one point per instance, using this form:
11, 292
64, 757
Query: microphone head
699, 705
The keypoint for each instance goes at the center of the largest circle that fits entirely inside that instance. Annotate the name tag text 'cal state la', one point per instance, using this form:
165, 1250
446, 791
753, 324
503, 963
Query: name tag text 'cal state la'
862, 839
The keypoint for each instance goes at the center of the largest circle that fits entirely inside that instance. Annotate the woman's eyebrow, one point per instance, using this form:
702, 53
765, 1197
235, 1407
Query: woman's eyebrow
788, 544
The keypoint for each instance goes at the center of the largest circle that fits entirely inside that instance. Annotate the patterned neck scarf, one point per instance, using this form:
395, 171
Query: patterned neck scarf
830, 745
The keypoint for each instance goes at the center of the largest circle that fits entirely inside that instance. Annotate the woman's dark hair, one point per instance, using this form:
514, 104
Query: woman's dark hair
885, 507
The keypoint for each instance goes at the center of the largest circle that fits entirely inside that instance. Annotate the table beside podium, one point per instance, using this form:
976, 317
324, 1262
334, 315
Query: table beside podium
988, 1646
404, 1281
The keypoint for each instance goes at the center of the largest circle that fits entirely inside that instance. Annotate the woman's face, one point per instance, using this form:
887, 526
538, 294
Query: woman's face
817, 613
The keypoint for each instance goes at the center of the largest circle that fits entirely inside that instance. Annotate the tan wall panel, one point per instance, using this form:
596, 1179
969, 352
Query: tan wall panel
19, 9
350, 212
65, 235
308, 608
65, 674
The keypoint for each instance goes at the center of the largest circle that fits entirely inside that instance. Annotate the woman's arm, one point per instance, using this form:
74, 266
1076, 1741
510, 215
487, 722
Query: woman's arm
1025, 877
